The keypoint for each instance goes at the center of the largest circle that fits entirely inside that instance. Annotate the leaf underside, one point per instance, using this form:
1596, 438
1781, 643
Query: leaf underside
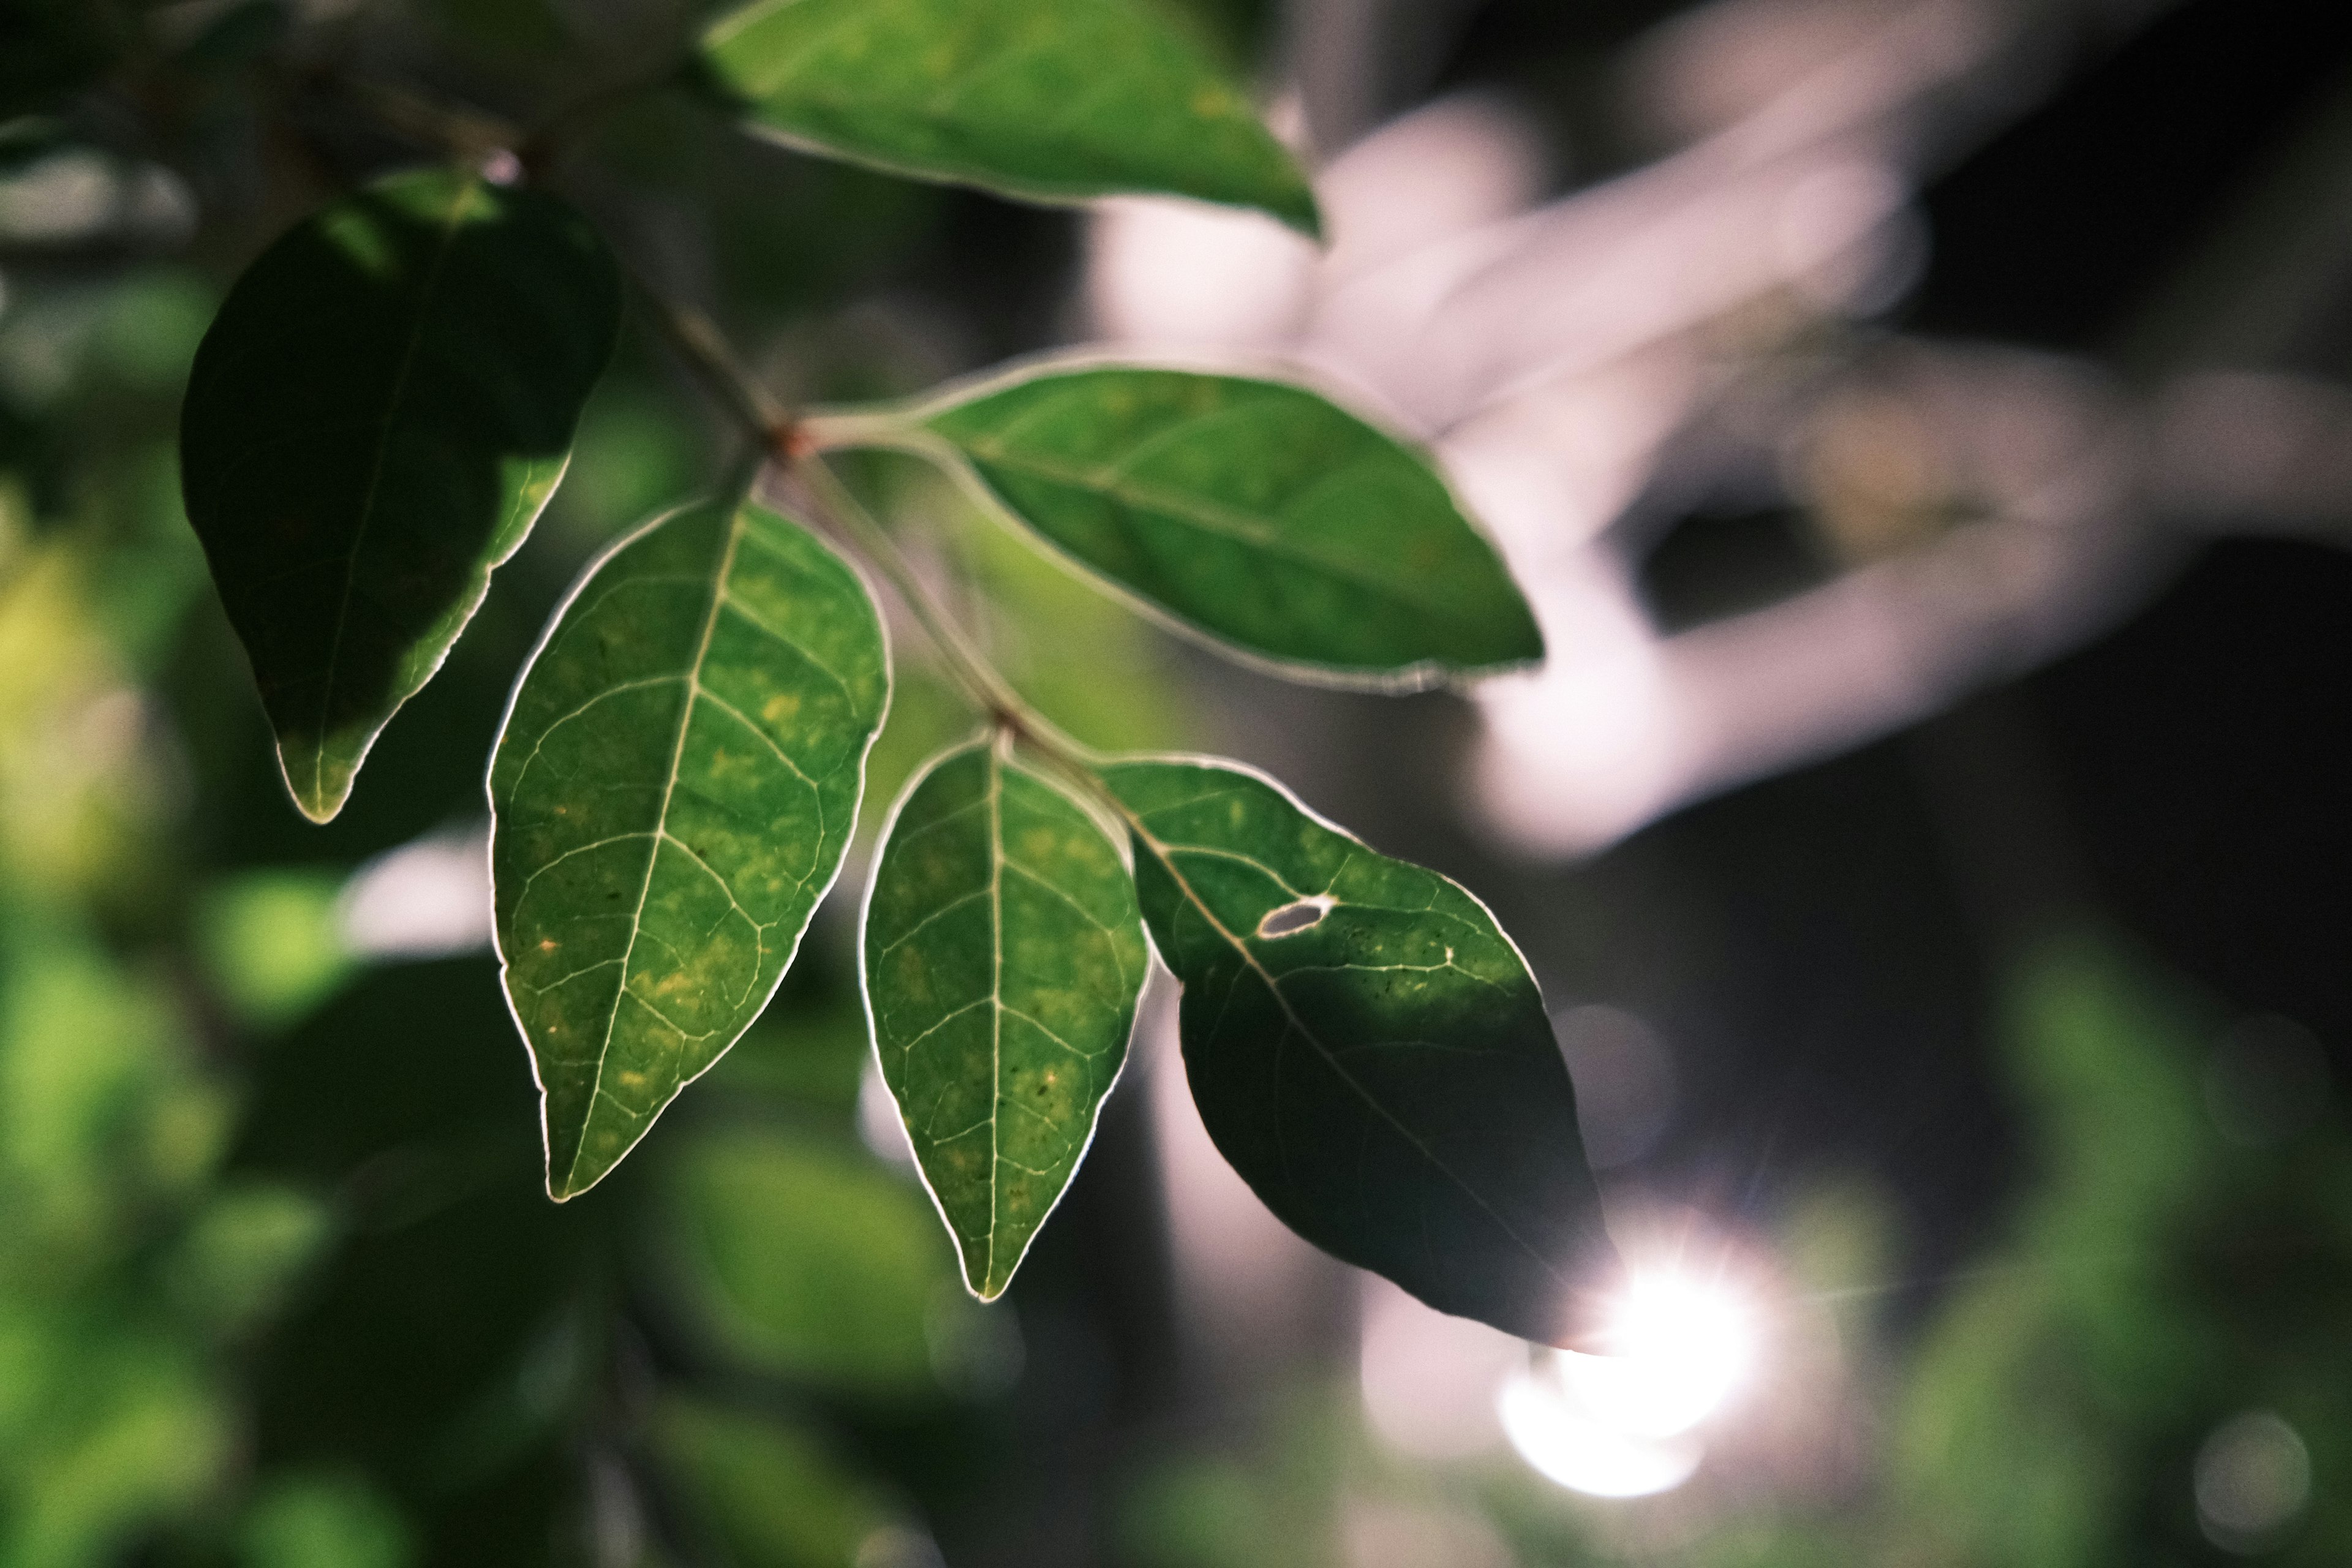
373, 423
1057, 100
1384, 1077
1256, 512
1003, 955
671, 795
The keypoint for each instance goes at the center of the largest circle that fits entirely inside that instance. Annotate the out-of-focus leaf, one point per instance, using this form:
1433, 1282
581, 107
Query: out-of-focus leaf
772, 1495
323, 1521
672, 793
380, 409
242, 1251
1368, 1050
2051, 1364
1255, 512
100, 1111
1055, 101
274, 943
130, 1432
1003, 955
151, 330
809, 1262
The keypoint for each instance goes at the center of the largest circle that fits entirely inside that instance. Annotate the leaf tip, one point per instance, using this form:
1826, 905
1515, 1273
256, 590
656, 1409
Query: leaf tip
1299, 210
322, 801
564, 1188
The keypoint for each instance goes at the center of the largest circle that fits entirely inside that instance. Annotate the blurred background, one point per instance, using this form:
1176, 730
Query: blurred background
1924, 430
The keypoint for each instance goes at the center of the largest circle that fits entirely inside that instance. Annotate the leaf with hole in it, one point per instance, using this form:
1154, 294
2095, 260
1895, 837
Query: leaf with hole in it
379, 412
1003, 955
672, 793
1368, 1050
1254, 511
1055, 100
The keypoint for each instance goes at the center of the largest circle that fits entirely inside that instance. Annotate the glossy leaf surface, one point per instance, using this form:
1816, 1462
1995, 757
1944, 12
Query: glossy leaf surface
1254, 511
672, 795
1367, 1049
373, 423
1055, 101
1003, 956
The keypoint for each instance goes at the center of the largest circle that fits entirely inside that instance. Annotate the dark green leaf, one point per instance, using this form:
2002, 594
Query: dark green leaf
374, 422
1253, 512
1003, 955
671, 795
1055, 100
1367, 1049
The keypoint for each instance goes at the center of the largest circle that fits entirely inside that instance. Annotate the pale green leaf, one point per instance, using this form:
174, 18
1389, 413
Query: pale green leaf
1055, 101
672, 793
1256, 512
1003, 956
380, 409
1368, 1050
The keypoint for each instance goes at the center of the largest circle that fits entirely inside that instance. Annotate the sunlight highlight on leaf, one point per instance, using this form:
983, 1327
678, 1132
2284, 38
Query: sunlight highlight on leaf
1258, 513
1385, 1078
374, 423
1055, 100
673, 792
1004, 954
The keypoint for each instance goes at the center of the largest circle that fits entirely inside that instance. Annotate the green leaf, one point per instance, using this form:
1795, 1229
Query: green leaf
1003, 956
771, 1493
1253, 512
1055, 100
324, 1521
672, 793
373, 423
809, 1262
1368, 1050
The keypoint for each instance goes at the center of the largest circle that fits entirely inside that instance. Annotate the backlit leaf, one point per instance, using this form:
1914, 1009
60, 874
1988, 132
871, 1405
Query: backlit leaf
373, 423
1368, 1050
1003, 955
671, 795
1055, 101
1256, 512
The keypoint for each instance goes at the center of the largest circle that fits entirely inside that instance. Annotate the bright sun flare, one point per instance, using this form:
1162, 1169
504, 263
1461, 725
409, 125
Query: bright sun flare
1678, 1345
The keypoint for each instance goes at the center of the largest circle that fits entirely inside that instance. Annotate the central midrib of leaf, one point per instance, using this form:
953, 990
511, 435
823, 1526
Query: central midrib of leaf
694, 693
1166, 855
450, 224
995, 799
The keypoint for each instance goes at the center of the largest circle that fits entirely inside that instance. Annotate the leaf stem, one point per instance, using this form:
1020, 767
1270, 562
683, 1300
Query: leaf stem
551, 137
985, 686
456, 127
700, 342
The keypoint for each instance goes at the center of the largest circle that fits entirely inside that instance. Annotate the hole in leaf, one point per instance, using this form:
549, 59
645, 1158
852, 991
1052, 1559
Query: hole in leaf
1301, 914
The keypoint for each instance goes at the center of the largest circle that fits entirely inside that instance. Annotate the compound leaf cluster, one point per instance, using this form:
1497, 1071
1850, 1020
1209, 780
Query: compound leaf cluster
388, 398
